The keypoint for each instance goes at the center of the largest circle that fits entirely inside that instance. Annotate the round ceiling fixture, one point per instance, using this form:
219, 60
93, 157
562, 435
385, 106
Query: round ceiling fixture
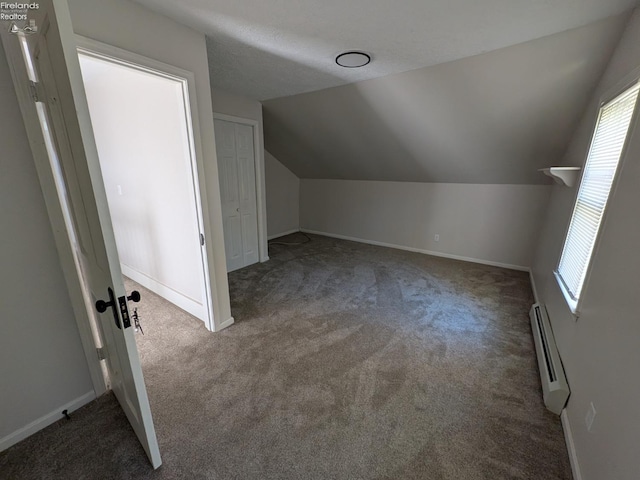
353, 59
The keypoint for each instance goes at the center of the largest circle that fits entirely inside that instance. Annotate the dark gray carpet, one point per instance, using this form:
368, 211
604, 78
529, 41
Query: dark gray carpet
347, 361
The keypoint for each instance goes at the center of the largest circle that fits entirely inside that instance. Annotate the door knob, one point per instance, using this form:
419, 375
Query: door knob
101, 306
135, 296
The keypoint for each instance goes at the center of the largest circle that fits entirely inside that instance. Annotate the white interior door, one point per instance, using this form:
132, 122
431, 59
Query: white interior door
61, 107
236, 164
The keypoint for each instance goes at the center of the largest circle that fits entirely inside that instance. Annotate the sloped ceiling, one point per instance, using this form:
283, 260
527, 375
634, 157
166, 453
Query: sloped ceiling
491, 118
268, 49
458, 90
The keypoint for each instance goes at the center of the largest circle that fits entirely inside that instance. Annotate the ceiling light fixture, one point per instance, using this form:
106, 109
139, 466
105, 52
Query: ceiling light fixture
353, 59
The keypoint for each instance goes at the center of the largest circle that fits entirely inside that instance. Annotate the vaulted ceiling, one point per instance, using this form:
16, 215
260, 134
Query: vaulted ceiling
458, 90
492, 118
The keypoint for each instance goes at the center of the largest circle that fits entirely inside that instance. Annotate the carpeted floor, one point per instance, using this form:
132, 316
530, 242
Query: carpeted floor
347, 361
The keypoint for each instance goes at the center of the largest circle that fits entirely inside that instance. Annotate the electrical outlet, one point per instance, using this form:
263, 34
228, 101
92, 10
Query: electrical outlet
436, 237
591, 416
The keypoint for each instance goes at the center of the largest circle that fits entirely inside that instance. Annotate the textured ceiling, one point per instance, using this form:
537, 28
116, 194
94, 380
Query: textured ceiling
269, 49
491, 118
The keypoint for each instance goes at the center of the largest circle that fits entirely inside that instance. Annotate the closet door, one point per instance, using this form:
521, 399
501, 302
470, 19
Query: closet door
245, 155
236, 166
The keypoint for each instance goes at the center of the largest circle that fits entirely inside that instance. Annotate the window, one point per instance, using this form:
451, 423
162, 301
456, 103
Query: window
600, 169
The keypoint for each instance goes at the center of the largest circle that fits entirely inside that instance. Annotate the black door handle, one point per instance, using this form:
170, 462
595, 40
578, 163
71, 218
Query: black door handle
135, 296
101, 306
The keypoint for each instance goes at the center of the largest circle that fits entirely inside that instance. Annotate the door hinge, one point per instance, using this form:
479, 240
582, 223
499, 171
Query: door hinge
101, 353
35, 91
201, 239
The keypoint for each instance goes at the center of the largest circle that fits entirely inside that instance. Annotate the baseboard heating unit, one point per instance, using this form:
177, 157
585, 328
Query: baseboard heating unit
555, 389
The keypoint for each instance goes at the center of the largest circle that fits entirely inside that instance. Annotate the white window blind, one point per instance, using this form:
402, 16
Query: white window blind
600, 169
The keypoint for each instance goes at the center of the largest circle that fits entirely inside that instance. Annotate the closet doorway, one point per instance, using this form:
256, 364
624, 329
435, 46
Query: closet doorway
235, 148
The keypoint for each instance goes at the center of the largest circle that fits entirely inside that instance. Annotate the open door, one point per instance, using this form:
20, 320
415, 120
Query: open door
48, 58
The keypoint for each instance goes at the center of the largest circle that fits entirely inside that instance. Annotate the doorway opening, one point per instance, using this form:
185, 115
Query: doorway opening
144, 136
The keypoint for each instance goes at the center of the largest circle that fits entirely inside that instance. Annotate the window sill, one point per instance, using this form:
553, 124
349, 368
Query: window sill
571, 303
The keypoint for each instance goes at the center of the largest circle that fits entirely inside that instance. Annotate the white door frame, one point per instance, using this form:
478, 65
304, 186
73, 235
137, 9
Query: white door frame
261, 199
117, 55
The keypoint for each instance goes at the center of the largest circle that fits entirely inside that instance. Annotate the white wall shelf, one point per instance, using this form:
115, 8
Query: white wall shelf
562, 175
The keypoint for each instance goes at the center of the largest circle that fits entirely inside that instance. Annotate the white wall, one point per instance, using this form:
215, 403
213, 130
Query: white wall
145, 156
600, 351
237, 106
283, 198
494, 224
42, 364
129, 26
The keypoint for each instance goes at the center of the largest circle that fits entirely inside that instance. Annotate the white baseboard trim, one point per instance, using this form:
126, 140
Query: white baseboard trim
419, 250
227, 323
288, 232
187, 304
45, 421
571, 448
